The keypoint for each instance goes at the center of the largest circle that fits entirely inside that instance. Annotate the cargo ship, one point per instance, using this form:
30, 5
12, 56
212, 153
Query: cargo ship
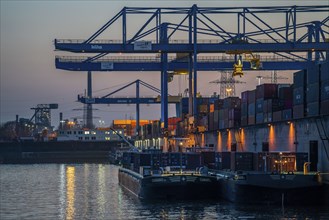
70, 146
183, 177
193, 175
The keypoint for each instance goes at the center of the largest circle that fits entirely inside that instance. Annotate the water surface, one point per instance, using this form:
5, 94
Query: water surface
91, 191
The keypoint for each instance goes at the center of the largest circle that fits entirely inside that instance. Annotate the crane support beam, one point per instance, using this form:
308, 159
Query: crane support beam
186, 48
172, 66
141, 100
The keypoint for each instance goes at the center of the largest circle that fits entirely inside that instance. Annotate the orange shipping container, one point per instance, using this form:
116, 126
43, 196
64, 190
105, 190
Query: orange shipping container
212, 108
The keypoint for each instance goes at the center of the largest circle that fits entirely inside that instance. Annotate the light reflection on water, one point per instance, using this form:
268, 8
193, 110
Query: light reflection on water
91, 191
70, 192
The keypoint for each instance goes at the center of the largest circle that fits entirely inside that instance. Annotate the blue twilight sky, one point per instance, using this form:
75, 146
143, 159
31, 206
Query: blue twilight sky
28, 74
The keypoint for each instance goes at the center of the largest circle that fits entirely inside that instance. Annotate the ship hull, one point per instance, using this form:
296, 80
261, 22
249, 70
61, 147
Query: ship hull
181, 186
272, 189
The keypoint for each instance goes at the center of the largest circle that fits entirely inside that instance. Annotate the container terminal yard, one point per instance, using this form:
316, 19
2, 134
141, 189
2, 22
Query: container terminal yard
272, 128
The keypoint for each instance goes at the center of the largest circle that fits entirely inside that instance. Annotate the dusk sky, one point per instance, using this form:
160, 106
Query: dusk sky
29, 76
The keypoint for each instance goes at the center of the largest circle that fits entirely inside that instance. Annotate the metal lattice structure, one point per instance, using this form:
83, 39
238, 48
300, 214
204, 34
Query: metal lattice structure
42, 116
288, 44
227, 84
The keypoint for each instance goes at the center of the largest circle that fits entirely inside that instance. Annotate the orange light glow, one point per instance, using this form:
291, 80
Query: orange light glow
291, 137
229, 139
242, 138
219, 142
271, 138
70, 192
203, 143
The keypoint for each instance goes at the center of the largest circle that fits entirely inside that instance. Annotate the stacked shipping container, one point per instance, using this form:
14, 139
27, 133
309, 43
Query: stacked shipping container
266, 100
299, 94
324, 97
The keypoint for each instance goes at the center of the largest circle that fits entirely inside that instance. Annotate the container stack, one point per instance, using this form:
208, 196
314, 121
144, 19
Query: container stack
209, 159
177, 160
223, 160
230, 114
193, 161
313, 91
324, 105
244, 108
286, 97
251, 107
242, 161
266, 102
213, 116
299, 94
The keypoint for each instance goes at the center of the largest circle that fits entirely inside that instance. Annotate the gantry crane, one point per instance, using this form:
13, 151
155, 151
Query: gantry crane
287, 41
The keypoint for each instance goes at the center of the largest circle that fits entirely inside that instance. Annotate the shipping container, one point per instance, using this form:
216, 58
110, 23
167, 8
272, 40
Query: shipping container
287, 104
259, 106
251, 96
232, 102
313, 109
299, 95
277, 116
251, 120
208, 158
194, 160
244, 97
313, 74
244, 161
268, 117
218, 104
251, 109
259, 118
324, 71
226, 160
226, 123
298, 111
287, 114
211, 121
300, 78
324, 107
244, 109
325, 90
221, 124
244, 120
313, 93
286, 93
177, 159
232, 165
234, 114
218, 160
165, 160
212, 107
266, 91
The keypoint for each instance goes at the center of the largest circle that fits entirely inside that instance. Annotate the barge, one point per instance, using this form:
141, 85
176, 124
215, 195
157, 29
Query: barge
171, 185
271, 188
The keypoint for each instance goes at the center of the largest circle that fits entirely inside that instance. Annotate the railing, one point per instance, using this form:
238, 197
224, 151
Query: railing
155, 59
